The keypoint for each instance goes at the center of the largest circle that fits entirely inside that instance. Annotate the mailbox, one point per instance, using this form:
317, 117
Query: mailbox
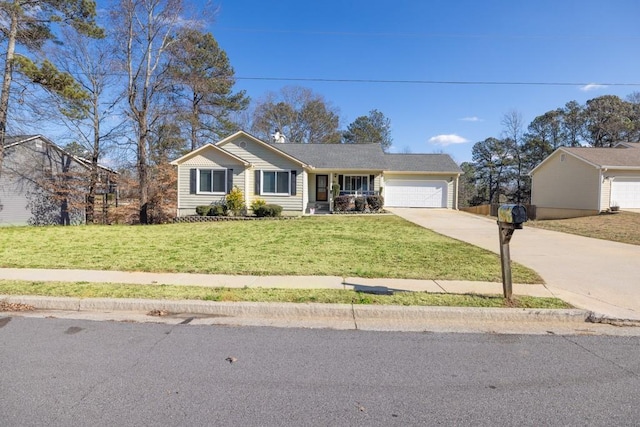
512, 214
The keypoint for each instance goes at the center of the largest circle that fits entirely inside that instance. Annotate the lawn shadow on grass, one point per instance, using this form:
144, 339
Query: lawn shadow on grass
375, 290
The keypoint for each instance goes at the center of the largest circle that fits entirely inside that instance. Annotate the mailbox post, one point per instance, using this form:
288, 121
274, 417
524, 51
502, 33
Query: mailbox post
510, 218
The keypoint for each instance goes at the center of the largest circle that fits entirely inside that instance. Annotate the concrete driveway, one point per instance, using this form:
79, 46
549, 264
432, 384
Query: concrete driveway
593, 274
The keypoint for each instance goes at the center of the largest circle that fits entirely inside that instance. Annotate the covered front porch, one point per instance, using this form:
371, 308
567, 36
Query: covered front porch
323, 187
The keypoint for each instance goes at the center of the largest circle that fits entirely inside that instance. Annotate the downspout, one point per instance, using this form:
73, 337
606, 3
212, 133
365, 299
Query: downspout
457, 192
178, 194
246, 185
600, 183
248, 171
330, 191
305, 189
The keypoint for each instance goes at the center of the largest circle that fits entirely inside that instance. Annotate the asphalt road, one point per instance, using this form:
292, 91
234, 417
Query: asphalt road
59, 372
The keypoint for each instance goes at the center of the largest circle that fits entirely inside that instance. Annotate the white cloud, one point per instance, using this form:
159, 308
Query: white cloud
445, 140
592, 86
471, 119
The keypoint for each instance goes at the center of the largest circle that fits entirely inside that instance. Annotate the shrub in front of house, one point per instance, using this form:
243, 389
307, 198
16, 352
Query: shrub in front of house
235, 201
218, 209
341, 203
268, 211
203, 210
257, 204
360, 204
375, 203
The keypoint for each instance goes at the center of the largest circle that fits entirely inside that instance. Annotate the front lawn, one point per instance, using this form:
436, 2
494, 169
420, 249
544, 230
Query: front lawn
621, 227
345, 246
326, 296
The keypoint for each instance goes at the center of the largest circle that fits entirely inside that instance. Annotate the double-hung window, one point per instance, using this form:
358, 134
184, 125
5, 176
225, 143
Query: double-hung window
276, 182
212, 181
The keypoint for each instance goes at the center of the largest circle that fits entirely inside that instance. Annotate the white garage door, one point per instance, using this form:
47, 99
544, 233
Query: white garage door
625, 192
415, 194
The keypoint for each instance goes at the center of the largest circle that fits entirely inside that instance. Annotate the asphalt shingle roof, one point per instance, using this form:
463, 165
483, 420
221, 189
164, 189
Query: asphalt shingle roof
421, 162
617, 157
367, 156
341, 156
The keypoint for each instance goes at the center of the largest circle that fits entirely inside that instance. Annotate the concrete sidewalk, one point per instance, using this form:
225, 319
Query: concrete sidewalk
337, 316
291, 282
593, 274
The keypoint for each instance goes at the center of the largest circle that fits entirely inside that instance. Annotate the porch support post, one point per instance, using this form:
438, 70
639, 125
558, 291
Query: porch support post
330, 191
306, 176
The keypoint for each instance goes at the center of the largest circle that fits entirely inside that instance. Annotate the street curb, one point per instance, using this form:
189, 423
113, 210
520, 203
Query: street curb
356, 313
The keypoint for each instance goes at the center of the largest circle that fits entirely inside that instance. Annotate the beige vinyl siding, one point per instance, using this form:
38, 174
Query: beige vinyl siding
376, 181
264, 158
449, 179
207, 160
311, 185
580, 184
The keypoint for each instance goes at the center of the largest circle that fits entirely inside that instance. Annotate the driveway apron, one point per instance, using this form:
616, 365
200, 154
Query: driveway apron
593, 274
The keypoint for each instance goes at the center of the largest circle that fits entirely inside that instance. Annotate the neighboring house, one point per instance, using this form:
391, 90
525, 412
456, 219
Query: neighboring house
300, 177
581, 181
42, 184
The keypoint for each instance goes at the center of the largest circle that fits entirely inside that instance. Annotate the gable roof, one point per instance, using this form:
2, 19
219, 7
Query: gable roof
259, 142
15, 140
622, 156
343, 156
10, 141
205, 148
367, 157
336, 156
607, 157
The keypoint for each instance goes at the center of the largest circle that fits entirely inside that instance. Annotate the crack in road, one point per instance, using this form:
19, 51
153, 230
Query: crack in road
617, 365
353, 313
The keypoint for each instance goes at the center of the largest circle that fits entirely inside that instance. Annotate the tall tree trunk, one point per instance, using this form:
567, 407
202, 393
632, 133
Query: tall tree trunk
93, 178
143, 170
8, 74
194, 122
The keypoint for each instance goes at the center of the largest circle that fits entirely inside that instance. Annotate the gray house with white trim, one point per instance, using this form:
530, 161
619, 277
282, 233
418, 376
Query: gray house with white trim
42, 184
300, 177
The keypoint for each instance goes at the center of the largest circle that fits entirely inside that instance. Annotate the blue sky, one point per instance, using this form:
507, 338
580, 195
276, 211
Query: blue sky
567, 41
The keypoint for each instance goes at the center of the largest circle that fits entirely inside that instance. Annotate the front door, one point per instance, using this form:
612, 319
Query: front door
322, 188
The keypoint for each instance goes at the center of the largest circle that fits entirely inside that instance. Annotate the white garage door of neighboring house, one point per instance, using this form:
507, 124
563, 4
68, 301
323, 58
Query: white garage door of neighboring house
415, 194
625, 192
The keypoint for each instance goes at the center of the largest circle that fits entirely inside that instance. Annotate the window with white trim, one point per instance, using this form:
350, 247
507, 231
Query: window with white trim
212, 181
276, 182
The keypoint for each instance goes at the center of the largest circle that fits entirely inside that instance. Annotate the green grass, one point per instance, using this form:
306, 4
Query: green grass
345, 246
169, 292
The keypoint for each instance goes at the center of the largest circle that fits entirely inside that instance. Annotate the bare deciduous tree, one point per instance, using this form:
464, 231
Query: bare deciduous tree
301, 115
91, 64
145, 30
513, 128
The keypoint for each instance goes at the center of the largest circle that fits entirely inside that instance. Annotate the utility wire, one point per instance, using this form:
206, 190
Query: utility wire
434, 82
433, 35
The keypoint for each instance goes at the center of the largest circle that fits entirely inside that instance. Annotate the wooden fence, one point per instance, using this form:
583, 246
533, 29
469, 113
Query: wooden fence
492, 210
